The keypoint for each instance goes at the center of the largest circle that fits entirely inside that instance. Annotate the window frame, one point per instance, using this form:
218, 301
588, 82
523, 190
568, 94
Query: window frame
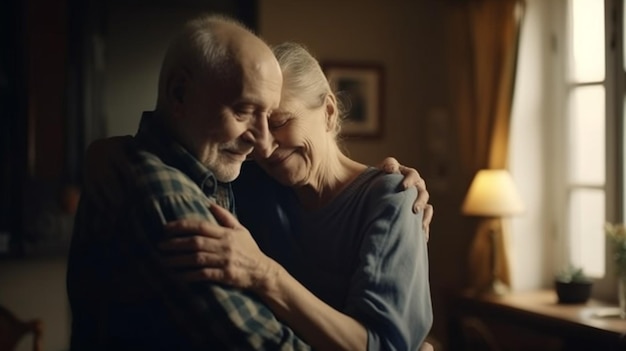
615, 99
615, 109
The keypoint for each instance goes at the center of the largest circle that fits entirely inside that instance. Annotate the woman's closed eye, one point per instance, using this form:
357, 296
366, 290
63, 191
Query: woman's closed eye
276, 122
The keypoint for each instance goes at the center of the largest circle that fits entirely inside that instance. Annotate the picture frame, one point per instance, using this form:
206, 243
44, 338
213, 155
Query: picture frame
360, 87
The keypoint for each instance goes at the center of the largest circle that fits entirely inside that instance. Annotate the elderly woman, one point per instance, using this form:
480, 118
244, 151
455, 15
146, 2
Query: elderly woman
335, 249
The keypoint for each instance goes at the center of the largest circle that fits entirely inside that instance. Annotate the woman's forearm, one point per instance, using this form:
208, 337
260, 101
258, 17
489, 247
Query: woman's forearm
320, 325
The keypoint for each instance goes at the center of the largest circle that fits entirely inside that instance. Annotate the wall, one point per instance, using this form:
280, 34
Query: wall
33, 288
396, 34
136, 41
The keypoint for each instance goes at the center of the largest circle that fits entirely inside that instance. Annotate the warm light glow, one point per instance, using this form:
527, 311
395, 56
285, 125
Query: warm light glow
492, 194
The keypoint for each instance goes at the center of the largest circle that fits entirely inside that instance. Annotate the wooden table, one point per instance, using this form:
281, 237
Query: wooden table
535, 321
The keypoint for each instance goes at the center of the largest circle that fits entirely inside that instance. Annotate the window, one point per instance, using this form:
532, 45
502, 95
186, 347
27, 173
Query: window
584, 124
590, 131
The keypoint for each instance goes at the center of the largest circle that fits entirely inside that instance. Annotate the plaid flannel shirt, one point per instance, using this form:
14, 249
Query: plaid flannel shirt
121, 296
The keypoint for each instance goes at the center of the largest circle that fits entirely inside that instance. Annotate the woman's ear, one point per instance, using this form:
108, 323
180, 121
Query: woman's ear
332, 113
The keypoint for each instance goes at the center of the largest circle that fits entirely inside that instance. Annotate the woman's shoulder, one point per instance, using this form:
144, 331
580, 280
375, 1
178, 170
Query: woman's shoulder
381, 183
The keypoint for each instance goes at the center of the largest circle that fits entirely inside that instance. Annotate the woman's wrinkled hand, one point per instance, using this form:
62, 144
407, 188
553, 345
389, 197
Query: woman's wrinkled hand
226, 252
412, 178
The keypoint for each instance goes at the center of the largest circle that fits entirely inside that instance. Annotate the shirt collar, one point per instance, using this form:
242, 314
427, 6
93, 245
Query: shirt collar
155, 138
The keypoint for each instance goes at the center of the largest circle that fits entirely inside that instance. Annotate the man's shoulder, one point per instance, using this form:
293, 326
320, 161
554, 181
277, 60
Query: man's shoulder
109, 145
155, 177
105, 157
102, 152
105, 167
124, 159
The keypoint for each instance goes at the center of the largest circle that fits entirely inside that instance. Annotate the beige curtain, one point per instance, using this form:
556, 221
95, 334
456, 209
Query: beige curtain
483, 39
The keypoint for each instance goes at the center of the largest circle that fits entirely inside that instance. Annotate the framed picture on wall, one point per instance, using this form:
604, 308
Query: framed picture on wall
360, 87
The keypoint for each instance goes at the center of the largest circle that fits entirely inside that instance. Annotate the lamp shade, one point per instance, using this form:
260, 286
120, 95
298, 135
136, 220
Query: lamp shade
492, 194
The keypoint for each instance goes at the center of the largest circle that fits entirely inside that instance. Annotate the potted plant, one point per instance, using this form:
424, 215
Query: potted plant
616, 233
572, 285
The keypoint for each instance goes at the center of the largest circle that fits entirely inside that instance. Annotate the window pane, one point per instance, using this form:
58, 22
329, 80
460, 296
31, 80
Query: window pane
587, 135
586, 227
587, 40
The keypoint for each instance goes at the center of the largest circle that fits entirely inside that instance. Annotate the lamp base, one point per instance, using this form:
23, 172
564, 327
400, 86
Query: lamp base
497, 287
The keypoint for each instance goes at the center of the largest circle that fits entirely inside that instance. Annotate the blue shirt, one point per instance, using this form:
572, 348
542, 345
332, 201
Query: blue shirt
364, 253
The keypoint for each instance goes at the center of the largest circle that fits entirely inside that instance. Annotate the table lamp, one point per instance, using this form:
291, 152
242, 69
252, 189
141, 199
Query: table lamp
493, 194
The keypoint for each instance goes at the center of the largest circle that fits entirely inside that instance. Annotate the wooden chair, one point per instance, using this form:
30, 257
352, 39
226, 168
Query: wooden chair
12, 330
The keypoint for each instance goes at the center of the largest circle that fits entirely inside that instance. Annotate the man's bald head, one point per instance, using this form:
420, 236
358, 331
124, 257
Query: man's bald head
214, 47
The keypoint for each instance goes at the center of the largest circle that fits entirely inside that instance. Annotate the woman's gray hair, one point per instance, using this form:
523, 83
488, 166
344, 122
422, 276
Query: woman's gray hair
304, 79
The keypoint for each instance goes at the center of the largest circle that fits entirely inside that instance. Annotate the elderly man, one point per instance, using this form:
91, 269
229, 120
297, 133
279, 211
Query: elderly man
217, 86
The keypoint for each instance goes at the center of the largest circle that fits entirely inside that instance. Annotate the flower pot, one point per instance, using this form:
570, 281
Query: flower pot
573, 292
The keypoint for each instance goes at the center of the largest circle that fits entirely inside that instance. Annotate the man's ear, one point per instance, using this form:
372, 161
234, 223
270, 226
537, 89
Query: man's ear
177, 86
